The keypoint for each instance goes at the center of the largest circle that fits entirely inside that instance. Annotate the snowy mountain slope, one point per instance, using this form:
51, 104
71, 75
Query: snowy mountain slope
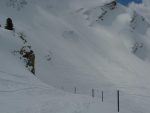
87, 56
20, 91
75, 49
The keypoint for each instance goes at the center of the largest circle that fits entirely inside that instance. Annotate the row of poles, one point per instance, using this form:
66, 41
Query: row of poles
102, 95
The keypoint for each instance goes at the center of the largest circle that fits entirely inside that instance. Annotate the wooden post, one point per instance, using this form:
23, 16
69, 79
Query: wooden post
75, 90
102, 96
93, 93
118, 100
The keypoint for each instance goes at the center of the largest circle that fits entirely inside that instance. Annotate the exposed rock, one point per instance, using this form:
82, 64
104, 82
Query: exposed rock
29, 57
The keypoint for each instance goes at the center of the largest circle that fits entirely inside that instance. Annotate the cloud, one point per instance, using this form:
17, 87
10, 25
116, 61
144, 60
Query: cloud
142, 9
146, 2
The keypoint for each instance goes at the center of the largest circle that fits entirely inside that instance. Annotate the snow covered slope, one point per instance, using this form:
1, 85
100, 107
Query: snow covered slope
83, 44
20, 91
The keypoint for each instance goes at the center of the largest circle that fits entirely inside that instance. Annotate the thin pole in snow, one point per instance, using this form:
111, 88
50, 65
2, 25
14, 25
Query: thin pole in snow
118, 101
93, 93
75, 90
102, 96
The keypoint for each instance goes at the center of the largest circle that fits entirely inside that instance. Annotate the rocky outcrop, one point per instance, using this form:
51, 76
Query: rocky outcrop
29, 57
26, 53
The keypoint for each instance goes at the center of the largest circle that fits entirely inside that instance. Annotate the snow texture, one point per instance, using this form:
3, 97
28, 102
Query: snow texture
81, 44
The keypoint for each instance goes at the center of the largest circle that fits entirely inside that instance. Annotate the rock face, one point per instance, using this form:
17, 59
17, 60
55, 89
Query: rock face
26, 53
111, 6
105, 14
29, 58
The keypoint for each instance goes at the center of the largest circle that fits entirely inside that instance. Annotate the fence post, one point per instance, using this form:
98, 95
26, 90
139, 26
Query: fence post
102, 96
93, 93
75, 90
118, 101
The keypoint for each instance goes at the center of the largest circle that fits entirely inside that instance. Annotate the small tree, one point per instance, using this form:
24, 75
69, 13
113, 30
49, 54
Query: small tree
9, 24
